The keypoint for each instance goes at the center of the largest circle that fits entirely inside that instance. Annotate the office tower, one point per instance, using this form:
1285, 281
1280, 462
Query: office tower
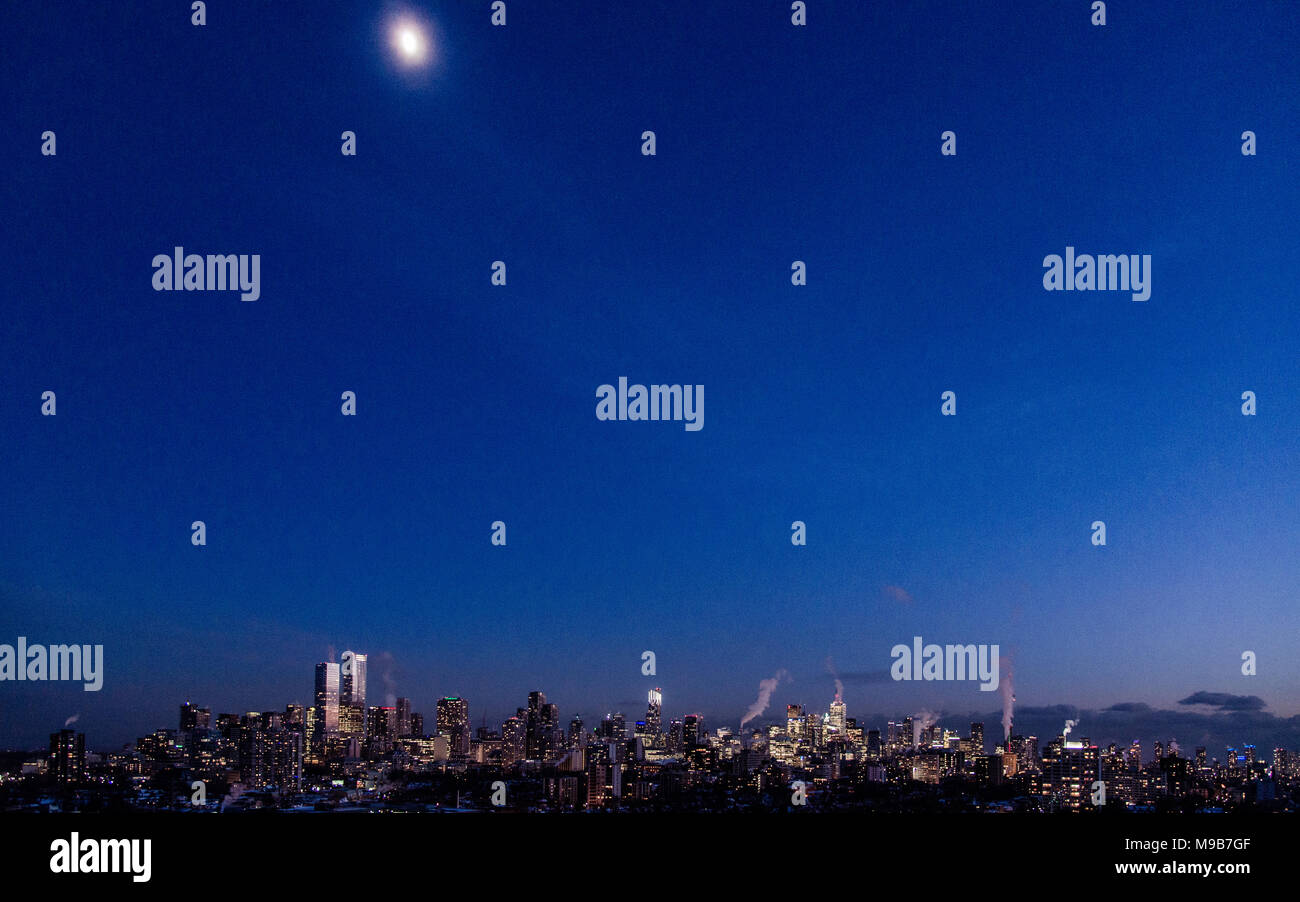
613, 727
327, 699
533, 728
381, 720
977, 738
194, 718
352, 722
836, 719
551, 733
692, 730
794, 722
675, 736
654, 715
67, 756
352, 680
873, 743
541, 728
403, 717
453, 722
417, 725
514, 739
294, 717
1160, 750
576, 738
1200, 757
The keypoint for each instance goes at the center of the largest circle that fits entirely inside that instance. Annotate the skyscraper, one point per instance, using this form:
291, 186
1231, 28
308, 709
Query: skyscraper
68, 756
836, 718
352, 680
327, 699
194, 718
453, 722
654, 716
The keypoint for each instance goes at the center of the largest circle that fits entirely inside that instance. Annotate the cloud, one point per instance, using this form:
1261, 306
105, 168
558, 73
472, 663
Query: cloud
1224, 702
898, 593
1128, 708
1210, 719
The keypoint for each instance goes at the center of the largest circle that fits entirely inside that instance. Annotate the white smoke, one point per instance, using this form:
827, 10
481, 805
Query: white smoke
839, 685
922, 721
1069, 725
71, 720
384, 663
765, 690
1007, 688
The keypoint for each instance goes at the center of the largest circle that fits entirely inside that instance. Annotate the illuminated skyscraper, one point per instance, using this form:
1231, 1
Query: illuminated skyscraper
327, 699
514, 736
836, 719
453, 722
977, 738
654, 715
352, 680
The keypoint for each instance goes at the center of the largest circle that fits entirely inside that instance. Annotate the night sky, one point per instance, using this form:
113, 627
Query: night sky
476, 402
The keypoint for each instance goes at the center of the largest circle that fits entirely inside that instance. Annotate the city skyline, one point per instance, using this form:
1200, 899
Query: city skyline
476, 402
1210, 720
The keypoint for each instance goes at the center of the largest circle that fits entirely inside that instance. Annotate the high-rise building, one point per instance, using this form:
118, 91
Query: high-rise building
654, 715
1069, 769
453, 722
836, 718
67, 756
542, 728
693, 730
352, 681
977, 738
194, 718
514, 739
327, 699
613, 727
794, 722
675, 736
403, 726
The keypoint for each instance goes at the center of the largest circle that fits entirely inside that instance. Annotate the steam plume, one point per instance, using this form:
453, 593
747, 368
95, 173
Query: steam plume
1007, 688
765, 690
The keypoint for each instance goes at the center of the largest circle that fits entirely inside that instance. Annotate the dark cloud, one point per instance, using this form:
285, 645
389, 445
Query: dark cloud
1129, 708
1224, 701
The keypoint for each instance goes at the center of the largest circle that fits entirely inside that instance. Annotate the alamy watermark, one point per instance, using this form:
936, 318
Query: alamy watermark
180, 271
1106, 272
56, 662
658, 402
946, 662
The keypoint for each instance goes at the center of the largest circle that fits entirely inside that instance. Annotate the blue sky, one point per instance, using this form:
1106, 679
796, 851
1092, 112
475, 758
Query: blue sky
476, 403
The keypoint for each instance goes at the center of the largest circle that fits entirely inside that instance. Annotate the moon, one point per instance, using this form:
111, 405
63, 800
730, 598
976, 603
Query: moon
410, 42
